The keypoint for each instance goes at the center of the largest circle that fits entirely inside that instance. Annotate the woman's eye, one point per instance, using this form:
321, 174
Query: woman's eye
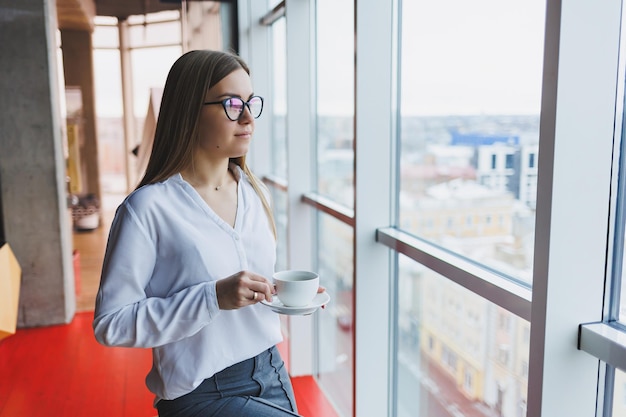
234, 103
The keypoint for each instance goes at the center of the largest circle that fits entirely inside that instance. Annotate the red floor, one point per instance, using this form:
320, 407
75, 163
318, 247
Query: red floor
62, 371
311, 401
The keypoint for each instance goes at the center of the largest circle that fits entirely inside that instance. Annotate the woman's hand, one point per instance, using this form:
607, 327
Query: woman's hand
320, 290
242, 289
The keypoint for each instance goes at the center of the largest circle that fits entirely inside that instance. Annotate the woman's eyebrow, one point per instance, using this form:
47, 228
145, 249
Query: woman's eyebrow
226, 95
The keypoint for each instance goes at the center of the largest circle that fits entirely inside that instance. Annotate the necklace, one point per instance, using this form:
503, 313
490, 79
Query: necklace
196, 184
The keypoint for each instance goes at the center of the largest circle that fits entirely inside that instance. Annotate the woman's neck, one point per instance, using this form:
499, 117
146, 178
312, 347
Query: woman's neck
208, 176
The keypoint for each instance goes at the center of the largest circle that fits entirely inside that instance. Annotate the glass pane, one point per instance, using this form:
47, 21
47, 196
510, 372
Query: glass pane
470, 127
458, 354
279, 202
155, 34
108, 101
108, 82
150, 68
279, 99
334, 338
105, 36
335, 99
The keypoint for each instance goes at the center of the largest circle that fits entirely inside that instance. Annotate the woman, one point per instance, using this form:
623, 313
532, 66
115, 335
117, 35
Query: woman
189, 250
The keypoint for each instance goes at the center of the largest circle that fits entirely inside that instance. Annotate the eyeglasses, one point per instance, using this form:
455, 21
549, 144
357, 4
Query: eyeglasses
234, 106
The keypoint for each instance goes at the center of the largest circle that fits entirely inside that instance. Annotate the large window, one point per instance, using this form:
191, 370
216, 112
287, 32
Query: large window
150, 44
469, 139
335, 179
108, 93
461, 162
470, 102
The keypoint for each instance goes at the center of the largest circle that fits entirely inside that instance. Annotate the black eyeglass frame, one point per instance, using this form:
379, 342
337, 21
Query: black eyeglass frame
245, 104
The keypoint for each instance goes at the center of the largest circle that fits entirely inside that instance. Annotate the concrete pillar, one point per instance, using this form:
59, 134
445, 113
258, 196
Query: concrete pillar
32, 163
78, 69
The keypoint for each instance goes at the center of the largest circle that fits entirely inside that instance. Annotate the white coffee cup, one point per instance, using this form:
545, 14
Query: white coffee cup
296, 288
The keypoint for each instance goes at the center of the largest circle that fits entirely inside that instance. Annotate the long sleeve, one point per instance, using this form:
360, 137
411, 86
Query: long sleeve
125, 315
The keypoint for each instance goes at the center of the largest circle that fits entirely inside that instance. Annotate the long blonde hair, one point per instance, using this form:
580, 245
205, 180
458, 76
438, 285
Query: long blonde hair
176, 136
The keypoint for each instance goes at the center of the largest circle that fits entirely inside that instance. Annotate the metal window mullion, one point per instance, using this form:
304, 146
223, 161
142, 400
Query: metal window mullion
302, 240
605, 342
374, 197
617, 229
276, 182
273, 15
573, 194
481, 280
615, 254
325, 205
256, 50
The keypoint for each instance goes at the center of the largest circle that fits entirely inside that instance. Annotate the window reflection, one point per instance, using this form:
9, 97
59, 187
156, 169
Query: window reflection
470, 127
458, 354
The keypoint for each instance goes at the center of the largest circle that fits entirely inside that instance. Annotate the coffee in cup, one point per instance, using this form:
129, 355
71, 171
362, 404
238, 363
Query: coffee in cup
296, 288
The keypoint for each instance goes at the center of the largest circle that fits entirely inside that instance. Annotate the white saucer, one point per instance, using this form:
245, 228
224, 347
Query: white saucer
320, 300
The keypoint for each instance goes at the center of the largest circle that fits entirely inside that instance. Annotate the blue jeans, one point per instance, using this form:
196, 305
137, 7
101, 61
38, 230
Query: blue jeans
256, 387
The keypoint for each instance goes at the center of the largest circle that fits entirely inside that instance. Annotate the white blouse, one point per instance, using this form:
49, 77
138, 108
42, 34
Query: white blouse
165, 251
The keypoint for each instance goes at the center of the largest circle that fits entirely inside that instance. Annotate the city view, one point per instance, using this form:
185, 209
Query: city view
468, 183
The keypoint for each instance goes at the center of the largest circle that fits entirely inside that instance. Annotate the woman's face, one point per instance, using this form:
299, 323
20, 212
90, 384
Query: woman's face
221, 137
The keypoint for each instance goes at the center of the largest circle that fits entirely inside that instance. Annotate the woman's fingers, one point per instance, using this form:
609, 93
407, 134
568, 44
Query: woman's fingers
262, 289
242, 289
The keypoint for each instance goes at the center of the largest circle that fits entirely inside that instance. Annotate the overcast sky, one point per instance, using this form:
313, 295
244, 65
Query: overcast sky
458, 57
